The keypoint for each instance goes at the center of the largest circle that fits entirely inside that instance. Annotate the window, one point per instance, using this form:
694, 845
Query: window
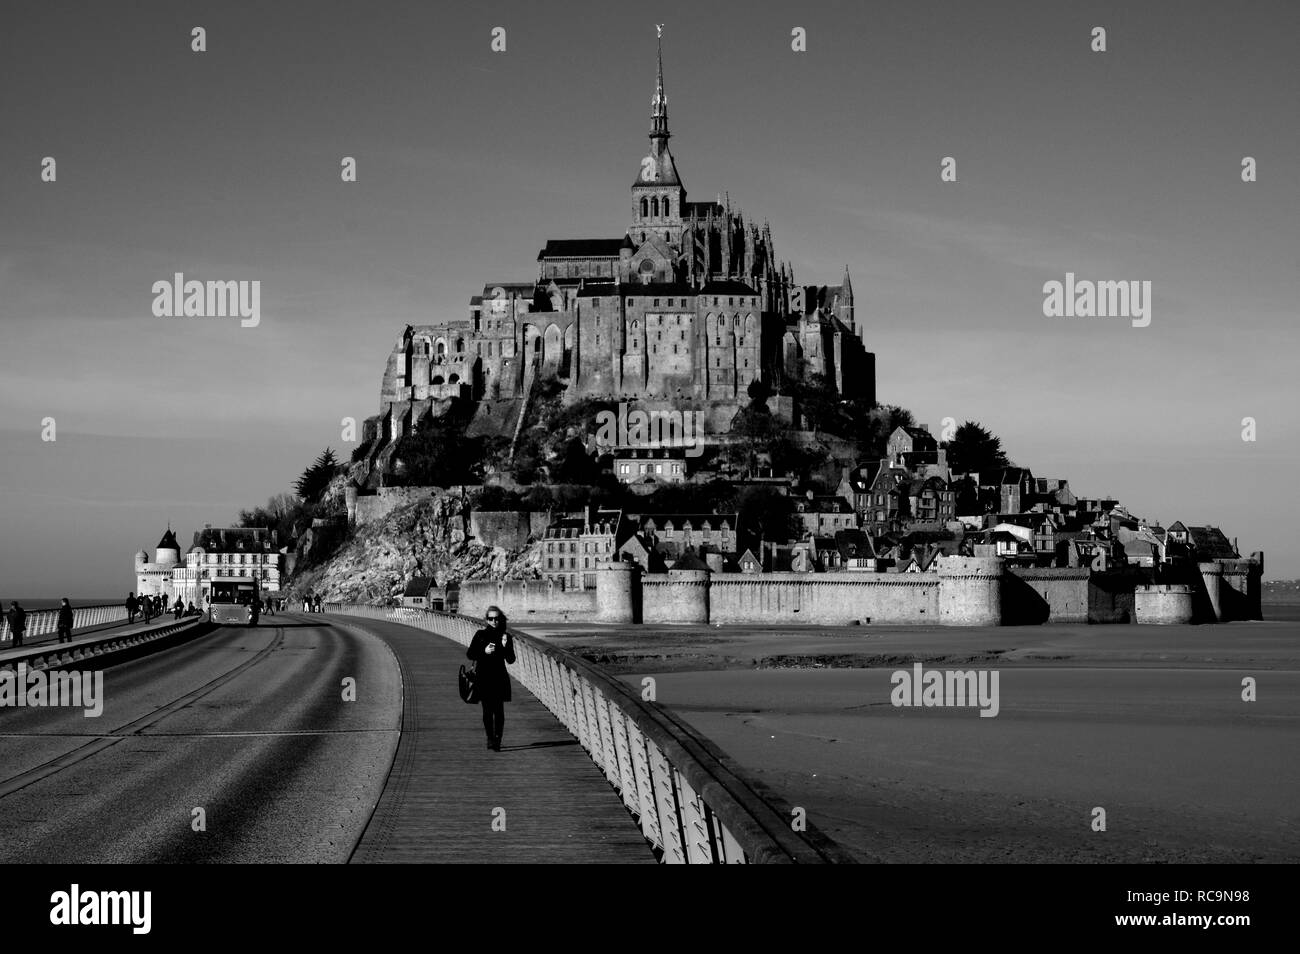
656, 302
654, 207
667, 207
645, 211
595, 303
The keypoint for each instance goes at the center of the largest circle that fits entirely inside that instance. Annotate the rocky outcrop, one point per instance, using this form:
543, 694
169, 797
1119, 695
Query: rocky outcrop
426, 538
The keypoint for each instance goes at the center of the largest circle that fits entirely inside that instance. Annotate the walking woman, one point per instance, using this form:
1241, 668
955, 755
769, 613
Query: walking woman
491, 649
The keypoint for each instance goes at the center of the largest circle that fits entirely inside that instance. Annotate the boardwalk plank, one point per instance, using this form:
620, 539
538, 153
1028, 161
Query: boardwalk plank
439, 800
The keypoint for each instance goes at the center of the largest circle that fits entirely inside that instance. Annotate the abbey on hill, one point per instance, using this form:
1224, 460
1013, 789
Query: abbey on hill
688, 305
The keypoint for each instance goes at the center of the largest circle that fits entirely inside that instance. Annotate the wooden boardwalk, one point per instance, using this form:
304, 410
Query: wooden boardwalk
445, 788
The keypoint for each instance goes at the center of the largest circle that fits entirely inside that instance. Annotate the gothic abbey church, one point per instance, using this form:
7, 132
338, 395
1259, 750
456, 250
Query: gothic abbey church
687, 308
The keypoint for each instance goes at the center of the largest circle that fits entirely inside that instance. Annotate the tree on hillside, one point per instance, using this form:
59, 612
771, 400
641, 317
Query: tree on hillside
817, 401
974, 449
871, 425
311, 485
768, 514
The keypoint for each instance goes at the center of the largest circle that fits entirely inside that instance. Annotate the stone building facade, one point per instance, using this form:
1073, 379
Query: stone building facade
690, 304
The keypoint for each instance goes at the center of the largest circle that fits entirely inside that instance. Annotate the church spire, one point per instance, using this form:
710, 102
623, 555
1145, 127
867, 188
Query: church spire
659, 105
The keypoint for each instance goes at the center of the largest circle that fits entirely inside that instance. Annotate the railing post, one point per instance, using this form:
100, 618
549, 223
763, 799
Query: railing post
670, 823
626, 775
645, 786
695, 826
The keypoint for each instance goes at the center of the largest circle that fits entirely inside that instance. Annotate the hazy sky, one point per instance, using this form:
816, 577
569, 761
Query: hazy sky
225, 165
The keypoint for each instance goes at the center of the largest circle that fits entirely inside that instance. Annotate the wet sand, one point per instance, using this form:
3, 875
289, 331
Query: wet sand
1145, 722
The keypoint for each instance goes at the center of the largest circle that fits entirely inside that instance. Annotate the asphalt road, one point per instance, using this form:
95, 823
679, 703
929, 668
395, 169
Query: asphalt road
248, 724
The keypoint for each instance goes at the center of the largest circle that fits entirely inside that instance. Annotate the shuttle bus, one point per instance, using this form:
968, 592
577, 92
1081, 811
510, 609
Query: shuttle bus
234, 599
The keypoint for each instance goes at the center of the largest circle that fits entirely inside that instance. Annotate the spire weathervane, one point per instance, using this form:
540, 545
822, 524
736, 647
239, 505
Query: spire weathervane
659, 112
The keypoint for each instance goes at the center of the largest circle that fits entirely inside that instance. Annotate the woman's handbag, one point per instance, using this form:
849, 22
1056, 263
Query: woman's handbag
468, 683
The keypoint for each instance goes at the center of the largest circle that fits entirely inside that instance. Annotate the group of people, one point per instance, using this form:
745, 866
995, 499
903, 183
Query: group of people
312, 603
147, 607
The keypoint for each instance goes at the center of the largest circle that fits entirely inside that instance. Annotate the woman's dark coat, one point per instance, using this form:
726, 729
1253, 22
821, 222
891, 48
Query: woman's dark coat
492, 679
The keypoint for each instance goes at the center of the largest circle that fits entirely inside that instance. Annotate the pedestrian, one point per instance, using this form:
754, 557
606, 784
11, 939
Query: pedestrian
178, 608
192, 610
17, 622
132, 607
65, 621
165, 598
492, 649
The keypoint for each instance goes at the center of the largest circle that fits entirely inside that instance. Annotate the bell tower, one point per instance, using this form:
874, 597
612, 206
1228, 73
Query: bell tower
658, 193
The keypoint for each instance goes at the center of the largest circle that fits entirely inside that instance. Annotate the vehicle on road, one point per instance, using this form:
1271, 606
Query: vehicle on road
234, 599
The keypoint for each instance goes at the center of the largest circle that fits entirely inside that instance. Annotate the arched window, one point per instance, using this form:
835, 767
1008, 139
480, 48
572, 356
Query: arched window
654, 207
460, 344
453, 379
436, 379
645, 207
668, 207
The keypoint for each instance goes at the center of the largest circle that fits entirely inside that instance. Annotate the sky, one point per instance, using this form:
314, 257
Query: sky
1116, 165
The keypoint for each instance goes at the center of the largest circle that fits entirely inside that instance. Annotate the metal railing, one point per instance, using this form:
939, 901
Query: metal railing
691, 802
46, 621
50, 655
